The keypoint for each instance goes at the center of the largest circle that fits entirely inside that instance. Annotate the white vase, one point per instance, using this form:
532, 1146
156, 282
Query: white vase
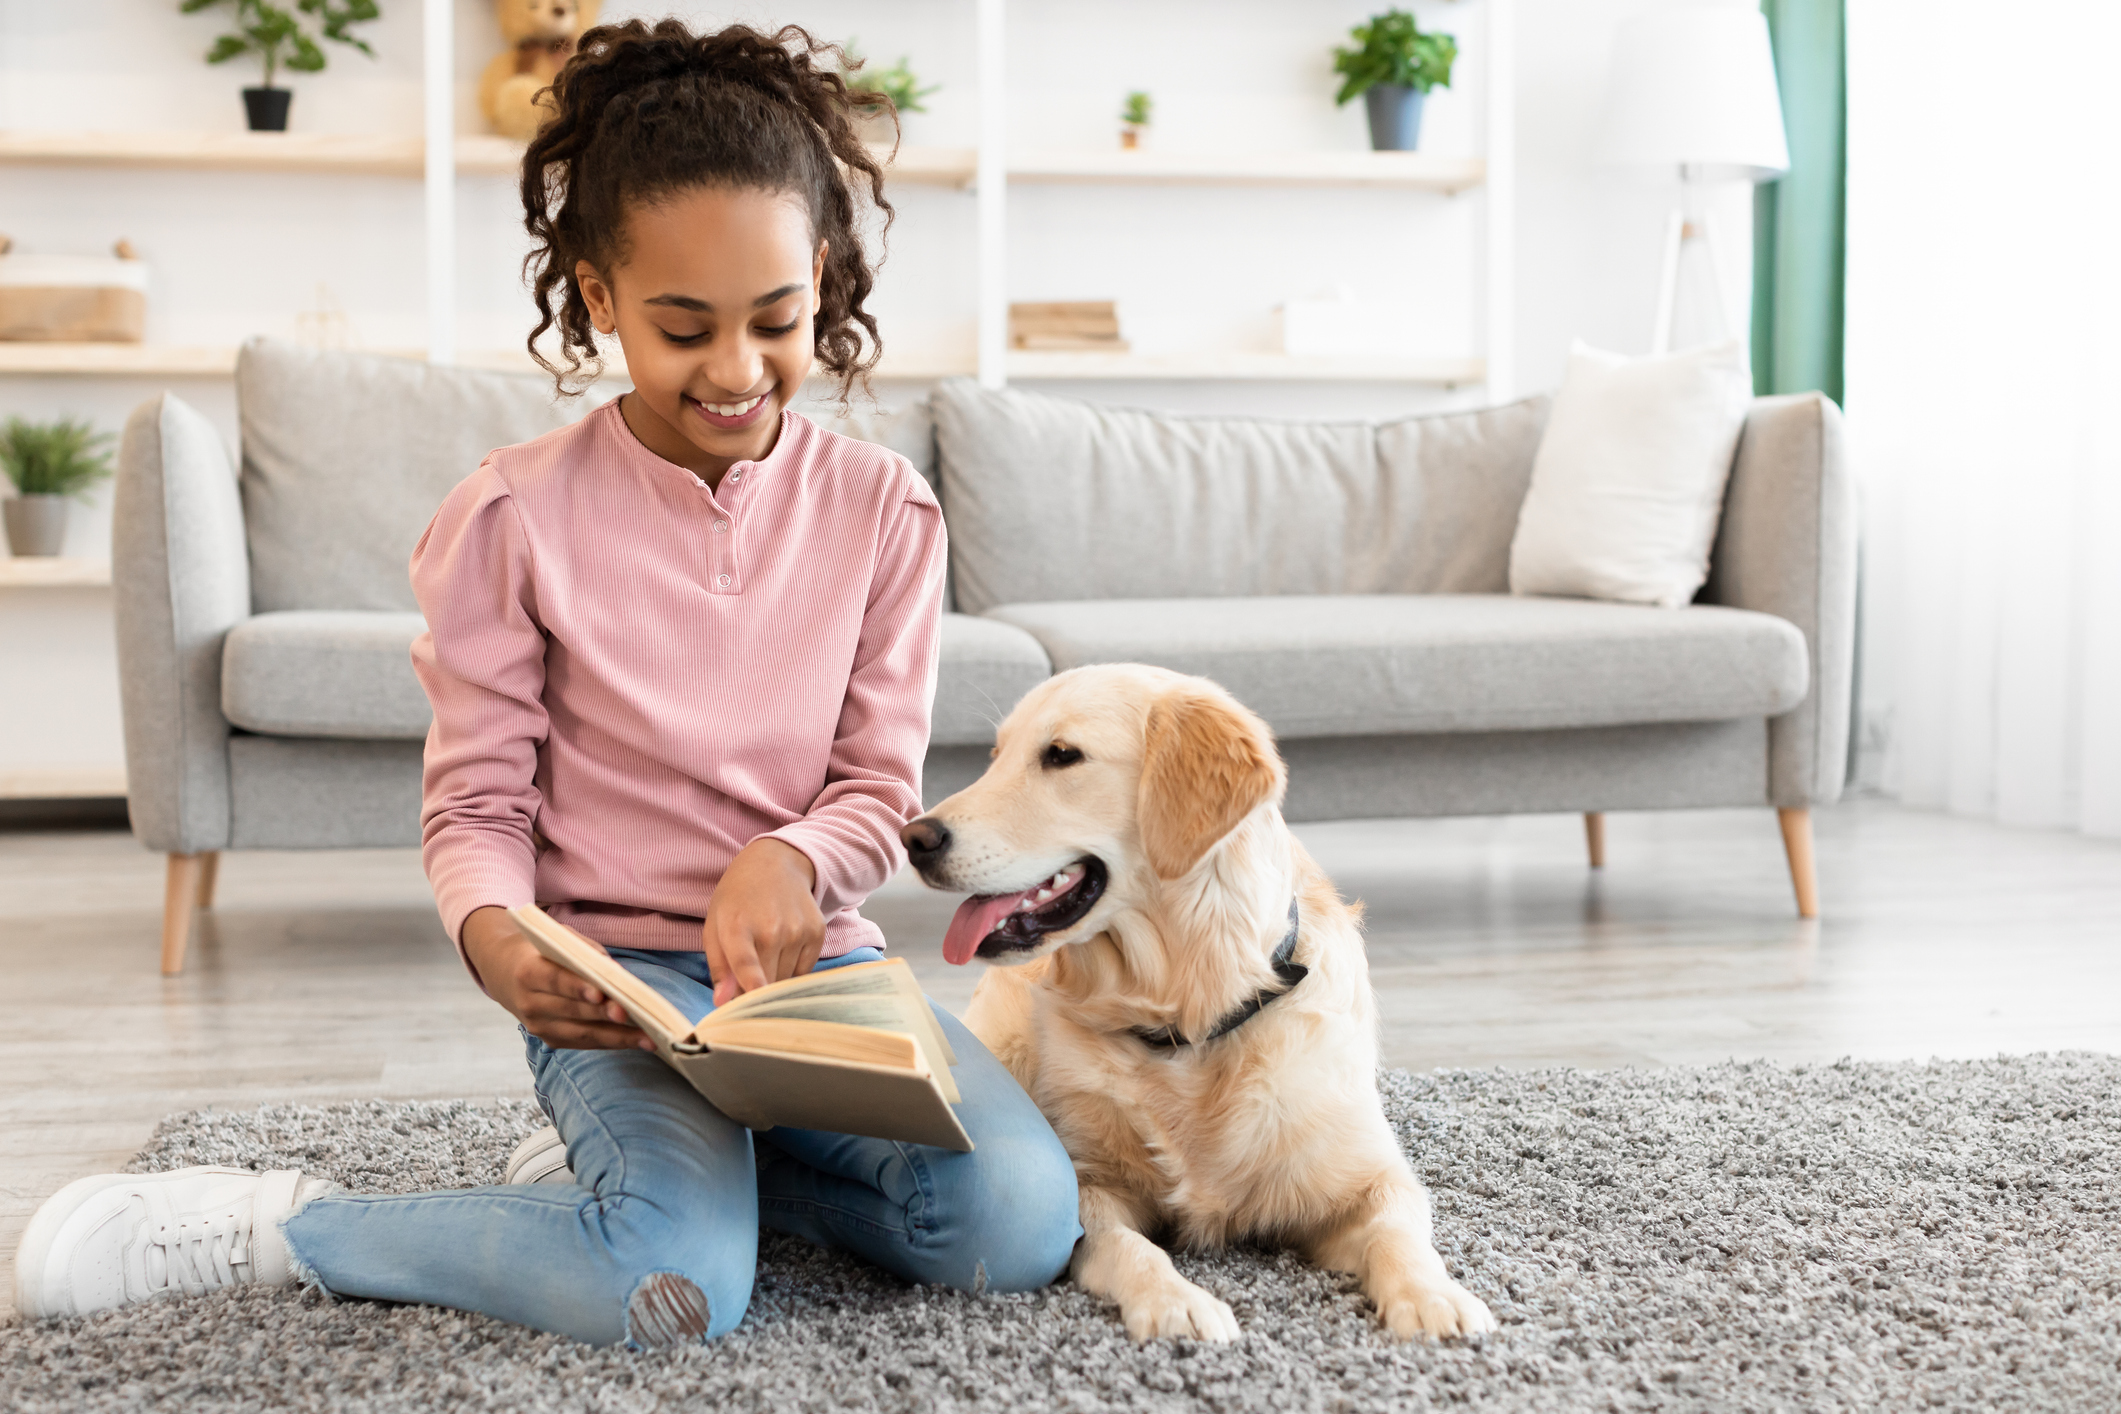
36, 525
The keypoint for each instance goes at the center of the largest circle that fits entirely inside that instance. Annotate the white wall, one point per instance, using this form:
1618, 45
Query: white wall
235, 254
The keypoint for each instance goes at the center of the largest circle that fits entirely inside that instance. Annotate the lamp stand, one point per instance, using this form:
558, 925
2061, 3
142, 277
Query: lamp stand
1688, 229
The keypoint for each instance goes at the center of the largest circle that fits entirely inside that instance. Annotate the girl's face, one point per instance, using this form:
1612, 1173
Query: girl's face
713, 307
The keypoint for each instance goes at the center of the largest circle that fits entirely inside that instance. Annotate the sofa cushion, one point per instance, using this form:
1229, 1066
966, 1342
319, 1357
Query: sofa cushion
1347, 665
346, 456
1052, 498
335, 673
349, 674
986, 666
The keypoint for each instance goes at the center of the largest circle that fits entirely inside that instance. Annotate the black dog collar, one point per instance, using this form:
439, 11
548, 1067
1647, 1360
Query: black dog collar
1291, 972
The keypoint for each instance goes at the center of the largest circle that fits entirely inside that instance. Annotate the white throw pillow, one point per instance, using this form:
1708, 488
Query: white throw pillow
1628, 482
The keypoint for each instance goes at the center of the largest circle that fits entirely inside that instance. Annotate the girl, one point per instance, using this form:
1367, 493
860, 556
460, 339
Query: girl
681, 656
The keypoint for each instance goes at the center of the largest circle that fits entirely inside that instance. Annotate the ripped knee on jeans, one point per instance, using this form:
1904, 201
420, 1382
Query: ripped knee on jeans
665, 1309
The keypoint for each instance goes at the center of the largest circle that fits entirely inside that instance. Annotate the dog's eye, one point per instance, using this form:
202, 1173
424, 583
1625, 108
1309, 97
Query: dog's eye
1056, 756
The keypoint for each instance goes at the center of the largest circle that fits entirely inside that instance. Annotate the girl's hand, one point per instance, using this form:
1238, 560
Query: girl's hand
564, 1011
762, 923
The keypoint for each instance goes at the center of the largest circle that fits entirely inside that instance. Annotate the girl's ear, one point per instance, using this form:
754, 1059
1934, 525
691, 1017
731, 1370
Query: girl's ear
817, 273
597, 295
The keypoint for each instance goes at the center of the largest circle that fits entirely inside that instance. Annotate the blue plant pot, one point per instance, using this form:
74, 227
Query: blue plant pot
1395, 117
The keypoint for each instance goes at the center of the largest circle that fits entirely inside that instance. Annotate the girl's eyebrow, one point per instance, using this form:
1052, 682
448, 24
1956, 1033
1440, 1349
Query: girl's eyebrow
700, 306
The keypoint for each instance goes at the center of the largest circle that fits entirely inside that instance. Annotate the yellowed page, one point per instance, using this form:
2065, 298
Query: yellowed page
817, 996
867, 1045
762, 1089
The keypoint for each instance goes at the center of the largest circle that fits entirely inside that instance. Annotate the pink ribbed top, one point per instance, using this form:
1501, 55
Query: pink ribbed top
633, 677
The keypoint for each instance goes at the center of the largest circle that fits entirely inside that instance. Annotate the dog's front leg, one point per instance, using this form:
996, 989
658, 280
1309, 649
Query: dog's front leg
1385, 1242
1117, 1261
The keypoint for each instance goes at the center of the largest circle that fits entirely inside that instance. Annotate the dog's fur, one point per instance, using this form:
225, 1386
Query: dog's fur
1273, 1132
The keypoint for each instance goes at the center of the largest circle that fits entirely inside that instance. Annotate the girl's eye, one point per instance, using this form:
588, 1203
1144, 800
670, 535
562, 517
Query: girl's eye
1054, 757
777, 330
682, 340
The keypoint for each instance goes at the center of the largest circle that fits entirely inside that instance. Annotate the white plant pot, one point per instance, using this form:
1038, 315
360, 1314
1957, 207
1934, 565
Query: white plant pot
36, 525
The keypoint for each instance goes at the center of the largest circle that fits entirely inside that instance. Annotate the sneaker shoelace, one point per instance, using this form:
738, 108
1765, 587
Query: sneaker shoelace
199, 1254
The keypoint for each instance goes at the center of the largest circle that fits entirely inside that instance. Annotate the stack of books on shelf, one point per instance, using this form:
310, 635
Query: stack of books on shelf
1082, 326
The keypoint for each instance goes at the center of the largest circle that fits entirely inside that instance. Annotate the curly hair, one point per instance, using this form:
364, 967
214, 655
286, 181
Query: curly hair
643, 111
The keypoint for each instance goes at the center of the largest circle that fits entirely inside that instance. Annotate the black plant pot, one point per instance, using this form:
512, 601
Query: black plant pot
267, 108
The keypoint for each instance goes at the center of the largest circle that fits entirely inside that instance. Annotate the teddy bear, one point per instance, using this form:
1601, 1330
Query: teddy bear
541, 35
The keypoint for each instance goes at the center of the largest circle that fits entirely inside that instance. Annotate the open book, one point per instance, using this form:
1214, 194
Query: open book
853, 1050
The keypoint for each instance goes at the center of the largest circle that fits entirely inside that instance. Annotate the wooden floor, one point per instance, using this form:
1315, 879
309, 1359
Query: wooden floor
325, 975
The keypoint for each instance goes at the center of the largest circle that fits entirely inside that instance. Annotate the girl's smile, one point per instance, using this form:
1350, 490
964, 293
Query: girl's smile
728, 416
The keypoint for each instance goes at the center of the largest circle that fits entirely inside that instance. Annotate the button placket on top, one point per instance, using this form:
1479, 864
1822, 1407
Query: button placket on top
724, 575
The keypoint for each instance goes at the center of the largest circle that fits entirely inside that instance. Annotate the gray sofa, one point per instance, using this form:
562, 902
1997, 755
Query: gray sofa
1347, 580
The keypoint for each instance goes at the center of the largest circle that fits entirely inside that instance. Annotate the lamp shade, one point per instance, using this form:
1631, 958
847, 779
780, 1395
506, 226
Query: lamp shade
1693, 86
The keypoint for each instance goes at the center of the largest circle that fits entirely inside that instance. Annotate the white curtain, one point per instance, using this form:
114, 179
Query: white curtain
1984, 400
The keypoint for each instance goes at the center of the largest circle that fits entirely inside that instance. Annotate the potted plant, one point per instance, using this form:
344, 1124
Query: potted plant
1134, 117
269, 31
897, 83
1392, 67
48, 462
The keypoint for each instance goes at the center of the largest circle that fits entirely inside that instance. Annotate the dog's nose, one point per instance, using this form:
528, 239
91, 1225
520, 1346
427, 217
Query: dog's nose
925, 840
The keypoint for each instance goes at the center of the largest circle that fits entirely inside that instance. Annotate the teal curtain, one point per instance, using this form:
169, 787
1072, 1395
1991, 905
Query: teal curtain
1800, 222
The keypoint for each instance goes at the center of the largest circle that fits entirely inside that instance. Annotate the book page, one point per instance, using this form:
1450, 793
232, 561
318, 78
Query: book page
867, 1045
763, 1089
883, 994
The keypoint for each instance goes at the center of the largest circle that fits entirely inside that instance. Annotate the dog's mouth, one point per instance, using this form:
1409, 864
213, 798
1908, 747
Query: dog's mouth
993, 925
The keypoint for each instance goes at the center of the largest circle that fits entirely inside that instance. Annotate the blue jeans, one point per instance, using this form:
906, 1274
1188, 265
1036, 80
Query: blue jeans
658, 1242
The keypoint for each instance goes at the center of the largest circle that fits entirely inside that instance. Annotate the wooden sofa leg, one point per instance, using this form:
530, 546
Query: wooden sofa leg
209, 875
1804, 874
180, 896
1594, 836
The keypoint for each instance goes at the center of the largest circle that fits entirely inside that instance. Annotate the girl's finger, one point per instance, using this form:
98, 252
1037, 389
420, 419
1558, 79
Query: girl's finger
592, 1036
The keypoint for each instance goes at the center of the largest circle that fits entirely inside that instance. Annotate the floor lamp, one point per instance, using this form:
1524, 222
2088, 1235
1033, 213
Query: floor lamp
1693, 91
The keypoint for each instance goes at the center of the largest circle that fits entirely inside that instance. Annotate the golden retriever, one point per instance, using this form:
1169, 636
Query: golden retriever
1133, 879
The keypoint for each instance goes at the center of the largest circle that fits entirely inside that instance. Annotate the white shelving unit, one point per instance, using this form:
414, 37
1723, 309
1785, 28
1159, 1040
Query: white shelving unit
986, 172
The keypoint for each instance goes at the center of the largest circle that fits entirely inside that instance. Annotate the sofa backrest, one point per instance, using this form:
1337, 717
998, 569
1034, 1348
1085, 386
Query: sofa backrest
347, 455
1055, 499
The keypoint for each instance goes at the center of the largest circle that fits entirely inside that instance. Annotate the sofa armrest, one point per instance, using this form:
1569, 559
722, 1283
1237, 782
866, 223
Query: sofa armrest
1787, 546
181, 577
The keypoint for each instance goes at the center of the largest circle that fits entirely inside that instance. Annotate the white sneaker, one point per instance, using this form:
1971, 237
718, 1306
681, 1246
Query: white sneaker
542, 1158
117, 1238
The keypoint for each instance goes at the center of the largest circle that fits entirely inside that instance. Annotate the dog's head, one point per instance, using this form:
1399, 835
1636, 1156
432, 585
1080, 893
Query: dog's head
1108, 782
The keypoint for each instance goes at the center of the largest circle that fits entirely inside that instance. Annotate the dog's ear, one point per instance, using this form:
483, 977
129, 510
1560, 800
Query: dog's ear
1207, 763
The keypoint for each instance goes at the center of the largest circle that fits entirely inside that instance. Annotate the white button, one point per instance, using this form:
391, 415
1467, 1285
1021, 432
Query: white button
736, 476
720, 526
723, 581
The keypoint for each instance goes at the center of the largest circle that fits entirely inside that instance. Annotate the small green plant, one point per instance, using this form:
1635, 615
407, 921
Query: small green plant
896, 83
1392, 49
1137, 110
63, 458
268, 31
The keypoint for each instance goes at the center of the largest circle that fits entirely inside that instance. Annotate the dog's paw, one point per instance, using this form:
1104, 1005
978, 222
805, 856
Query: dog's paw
1440, 1310
1177, 1309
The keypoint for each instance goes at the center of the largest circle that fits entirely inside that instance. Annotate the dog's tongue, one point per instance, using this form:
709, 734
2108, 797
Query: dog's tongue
976, 917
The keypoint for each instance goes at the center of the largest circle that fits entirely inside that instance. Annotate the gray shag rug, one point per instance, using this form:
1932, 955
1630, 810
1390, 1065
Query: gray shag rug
1744, 1237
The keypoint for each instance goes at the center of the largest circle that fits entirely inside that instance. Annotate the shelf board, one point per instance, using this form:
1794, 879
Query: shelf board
52, 572
478, 154
85, 782
167, 361
25, 359
1244, 366
1419, 171
229, 151
116, 360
